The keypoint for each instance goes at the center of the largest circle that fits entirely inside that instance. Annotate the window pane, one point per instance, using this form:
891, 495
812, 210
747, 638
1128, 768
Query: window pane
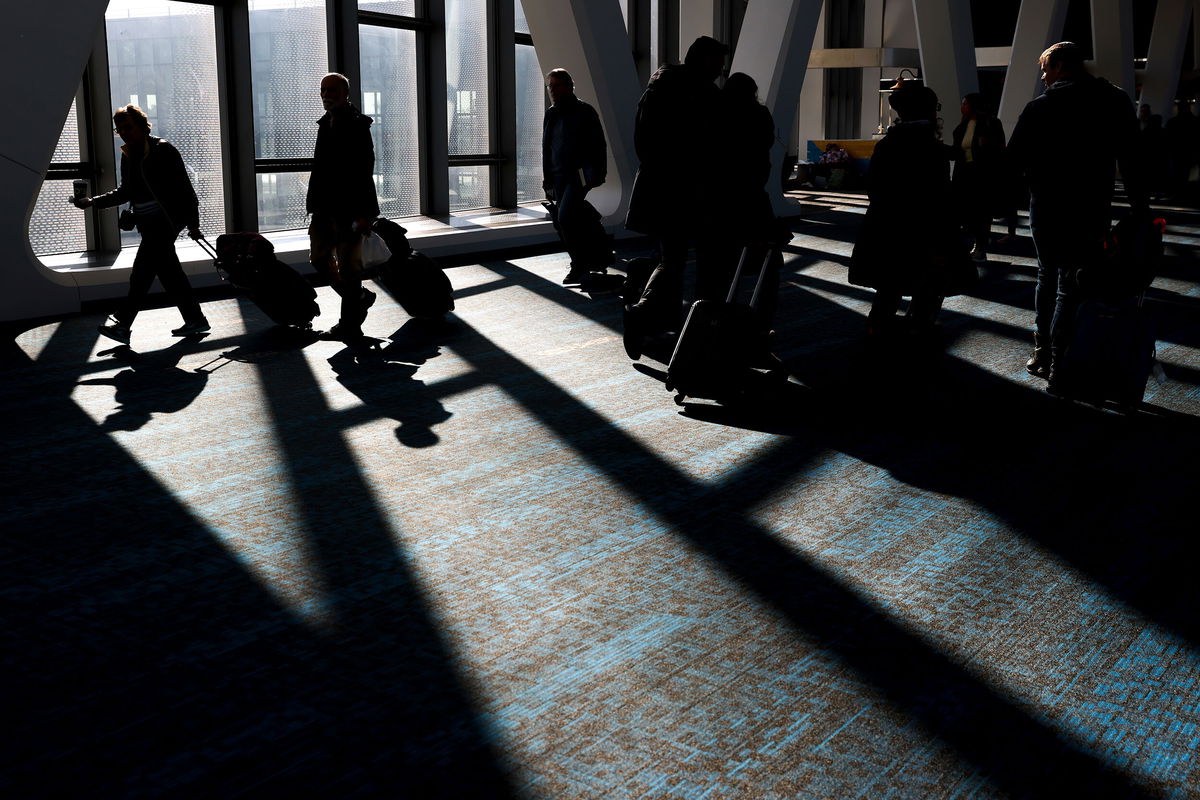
522, 24
56, 226
389, 94
162, 57
403, 8
67, 148
288, 56
467, 77
469, 187
531, 107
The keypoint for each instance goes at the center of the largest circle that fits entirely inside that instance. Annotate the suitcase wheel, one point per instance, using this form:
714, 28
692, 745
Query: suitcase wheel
670, 388
679, 399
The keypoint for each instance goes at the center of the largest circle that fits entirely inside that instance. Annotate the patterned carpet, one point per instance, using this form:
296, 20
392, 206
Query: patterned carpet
496, 560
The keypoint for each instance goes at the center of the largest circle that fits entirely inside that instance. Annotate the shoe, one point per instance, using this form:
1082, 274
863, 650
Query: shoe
192, 328
115, 330
340, 333
978, 255
1038, 364
368, 300
575, 275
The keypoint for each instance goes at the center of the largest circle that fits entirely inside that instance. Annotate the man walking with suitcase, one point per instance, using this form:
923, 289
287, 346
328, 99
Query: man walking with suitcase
342, 201
1068, 142
574, 161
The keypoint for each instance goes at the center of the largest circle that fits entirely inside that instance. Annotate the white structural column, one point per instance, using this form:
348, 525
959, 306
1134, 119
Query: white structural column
52, 49
1039, 25
1168, 41
947, 46
581, 36
810, 113
774, 46
1112, 43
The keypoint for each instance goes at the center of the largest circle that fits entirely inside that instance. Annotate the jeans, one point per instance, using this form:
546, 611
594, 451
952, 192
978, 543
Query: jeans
156, 258
1064, 244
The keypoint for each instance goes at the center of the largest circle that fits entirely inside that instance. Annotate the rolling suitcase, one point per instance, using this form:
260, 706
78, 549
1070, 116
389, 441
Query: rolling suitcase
413, 278
719, 341
1111, 354
590, 247
248, 262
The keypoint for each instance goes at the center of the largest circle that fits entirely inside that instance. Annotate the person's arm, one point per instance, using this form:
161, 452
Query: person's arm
597, 153
180, 185
364, 203
1130, 158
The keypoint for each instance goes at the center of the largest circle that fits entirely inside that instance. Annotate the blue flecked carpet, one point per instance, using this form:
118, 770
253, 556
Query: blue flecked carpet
494, 559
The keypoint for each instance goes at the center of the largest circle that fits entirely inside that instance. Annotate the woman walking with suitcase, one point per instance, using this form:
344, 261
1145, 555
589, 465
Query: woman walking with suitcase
155, 183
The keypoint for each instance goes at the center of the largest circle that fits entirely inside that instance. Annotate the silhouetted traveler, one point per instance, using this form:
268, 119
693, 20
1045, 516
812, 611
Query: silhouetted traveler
155, 183
574, 161
1152, 143
980, 186
674, 197
1183, 148
1068, 142
743, 165
909, 244
342, 201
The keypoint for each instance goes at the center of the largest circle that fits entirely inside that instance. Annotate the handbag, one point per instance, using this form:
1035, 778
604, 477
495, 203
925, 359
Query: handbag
374, 251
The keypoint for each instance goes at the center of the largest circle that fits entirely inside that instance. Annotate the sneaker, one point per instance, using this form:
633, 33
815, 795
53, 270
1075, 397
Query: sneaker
341, 333
192, 328
368, 300
115, 330
575, 275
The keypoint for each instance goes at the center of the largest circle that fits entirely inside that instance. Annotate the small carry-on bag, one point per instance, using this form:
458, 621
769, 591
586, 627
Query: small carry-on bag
247, 260
719, 341
413, 278
1111, 354
591, 247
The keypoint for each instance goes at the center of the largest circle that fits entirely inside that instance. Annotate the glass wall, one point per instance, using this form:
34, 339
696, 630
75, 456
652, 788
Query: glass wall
531, 107
162, 57
288, 57
389, 96
468, 117
57, 226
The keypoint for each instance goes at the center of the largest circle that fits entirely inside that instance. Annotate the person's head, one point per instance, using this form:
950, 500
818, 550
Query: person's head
559, 84
131, 124
914, 103
1062, 61
1144, 111
335, 91
707, 57
973, 105
741, 87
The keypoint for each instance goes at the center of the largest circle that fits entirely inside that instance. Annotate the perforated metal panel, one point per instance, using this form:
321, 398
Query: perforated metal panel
521, 24
162, 57
467, 100
531, 107
388, 58
67, 148
56, 226
469, 187
403, 8
281, 198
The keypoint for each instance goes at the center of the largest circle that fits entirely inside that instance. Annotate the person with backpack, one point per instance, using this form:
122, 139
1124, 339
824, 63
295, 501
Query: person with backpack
155, 182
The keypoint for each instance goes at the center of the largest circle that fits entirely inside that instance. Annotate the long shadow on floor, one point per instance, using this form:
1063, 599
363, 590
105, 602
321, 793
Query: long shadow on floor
141, 656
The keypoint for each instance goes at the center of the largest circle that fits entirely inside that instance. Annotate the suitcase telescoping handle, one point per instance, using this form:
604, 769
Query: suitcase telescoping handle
737, 276
207, 247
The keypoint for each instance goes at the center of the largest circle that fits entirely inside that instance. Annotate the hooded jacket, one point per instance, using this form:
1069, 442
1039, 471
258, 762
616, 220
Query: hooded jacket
342, 183
161, 168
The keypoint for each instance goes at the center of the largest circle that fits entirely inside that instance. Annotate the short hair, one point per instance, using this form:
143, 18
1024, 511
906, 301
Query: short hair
914, 102
703, 48
977, 102
134, 113
742, 86
1067, 55
559, 72
342, 79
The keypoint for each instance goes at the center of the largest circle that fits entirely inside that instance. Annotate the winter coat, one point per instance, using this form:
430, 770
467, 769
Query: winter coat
342, 183
982, 186
746, 135
674, 192
580, 137
909, 241
1068, 142
163, 173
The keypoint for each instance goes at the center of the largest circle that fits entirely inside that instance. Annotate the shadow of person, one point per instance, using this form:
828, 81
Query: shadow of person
417, 341
390, 388
152, 384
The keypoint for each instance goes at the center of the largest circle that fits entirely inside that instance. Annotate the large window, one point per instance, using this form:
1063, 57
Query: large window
388, 62
288, 56
162, 57
234, 84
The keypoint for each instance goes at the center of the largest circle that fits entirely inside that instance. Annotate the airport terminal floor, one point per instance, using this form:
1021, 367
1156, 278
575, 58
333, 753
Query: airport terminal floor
494, 559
